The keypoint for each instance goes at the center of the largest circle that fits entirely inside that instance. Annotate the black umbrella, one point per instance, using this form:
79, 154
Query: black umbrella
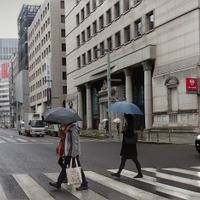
60, 115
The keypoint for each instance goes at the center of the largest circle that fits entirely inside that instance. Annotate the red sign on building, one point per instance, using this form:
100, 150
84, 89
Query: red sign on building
191, 84
4, 70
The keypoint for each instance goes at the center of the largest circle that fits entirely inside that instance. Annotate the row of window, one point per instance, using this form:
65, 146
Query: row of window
112, 42
43, 94
86, 11
93, 29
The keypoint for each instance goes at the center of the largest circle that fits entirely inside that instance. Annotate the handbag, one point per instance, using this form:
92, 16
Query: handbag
60, 149
132, 140
74, 173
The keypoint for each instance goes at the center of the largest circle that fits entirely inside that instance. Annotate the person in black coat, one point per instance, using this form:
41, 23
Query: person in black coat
129, 149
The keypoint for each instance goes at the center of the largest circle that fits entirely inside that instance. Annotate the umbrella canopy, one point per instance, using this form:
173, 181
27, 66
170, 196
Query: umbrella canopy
125, 107
117, 120
104, 120
60, 115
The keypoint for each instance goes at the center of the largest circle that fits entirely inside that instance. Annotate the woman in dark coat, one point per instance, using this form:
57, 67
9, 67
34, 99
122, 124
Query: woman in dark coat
129, 149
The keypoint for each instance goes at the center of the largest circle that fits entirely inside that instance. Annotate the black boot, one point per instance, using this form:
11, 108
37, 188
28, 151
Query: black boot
116, 175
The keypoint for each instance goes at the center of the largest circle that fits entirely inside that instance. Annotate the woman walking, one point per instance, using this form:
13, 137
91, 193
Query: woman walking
128, 149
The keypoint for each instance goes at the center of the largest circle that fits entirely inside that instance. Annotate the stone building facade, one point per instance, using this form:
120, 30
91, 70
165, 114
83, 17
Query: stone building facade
47, 60
154, 46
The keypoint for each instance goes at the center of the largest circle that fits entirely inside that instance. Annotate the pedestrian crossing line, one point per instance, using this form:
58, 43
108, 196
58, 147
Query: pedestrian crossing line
183, 171
179, 179
196, 168
167, 189
31, 188
83, 195
21, 140
122, 187
8, 139
2, 194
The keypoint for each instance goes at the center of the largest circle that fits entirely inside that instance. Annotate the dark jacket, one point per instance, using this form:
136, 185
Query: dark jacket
128, 151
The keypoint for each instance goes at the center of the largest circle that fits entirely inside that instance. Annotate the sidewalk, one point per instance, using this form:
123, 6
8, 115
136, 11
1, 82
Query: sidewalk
162, 138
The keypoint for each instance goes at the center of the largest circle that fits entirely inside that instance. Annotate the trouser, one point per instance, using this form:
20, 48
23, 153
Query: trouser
62, 174
135, 160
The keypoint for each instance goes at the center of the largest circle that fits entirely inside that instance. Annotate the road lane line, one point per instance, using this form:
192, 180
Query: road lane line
83, 195
179, 179
32, 189
123, 188
2, 194
167, 189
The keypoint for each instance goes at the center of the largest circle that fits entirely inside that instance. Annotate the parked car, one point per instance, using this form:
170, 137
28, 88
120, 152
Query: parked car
53, 129
197, 143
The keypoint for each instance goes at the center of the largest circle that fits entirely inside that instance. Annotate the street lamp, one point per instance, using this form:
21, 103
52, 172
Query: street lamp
109, 86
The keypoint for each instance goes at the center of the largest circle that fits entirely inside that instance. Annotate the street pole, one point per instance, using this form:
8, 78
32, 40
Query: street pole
108, 87
109, 92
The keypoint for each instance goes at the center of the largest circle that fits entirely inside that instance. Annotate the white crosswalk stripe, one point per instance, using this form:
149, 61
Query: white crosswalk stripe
85, 195
167, 189
2, 194
159, 185
36, 191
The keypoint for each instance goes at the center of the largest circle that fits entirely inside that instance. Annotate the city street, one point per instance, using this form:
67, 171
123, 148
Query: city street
27, 164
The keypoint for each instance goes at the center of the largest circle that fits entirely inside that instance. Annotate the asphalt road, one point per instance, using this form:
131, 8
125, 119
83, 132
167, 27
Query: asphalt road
24, 159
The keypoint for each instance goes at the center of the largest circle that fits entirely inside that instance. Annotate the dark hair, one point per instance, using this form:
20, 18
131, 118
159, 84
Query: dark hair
130, 122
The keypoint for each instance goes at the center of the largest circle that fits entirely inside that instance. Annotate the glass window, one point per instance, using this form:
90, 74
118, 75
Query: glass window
83, 36
63, 47
64, 61
78, 62
127, 34
138, 28
64, 76
102, 47
117, 10
88, 32
89, 56
108, 16
77, 19
82, 14
88, 8
126, 5
83, 60
78, 40
95, 55
117, 39
109, 43
62, 18
94, 27
101, 22
62, 4
64, 89
150, 21
62, 32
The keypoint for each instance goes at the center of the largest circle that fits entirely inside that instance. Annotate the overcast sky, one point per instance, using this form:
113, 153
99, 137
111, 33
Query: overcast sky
9, 12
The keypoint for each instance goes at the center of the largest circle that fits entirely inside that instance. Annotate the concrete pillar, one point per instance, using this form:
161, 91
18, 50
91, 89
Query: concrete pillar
147, 66
89, 106
80, 106
129, 89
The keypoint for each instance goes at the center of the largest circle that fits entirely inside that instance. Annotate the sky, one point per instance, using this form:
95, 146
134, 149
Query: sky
9, 12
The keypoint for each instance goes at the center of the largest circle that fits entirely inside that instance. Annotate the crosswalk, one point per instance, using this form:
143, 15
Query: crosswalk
41, 140
26, 140
165, 183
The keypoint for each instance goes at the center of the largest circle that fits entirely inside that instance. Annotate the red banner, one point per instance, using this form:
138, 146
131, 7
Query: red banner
191, 84
4, 70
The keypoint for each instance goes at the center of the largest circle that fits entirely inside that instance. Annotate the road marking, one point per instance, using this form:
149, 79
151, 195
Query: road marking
21, 140
8, 139
83, 195
32, 189
2, 194
122, 187
179, 179
167, 189
183, 171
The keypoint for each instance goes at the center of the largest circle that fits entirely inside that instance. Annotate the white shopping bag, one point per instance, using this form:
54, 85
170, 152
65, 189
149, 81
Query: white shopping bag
74, 174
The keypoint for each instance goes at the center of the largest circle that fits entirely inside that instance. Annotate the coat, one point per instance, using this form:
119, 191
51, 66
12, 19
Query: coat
72, 141
128, 151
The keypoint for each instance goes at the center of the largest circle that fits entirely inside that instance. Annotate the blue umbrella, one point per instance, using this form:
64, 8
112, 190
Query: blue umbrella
125, 107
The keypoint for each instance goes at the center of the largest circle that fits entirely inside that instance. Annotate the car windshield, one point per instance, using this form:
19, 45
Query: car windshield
37, 123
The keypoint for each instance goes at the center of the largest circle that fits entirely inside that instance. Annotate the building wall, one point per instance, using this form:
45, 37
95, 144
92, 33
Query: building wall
45, 50
7, 47
173, 43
